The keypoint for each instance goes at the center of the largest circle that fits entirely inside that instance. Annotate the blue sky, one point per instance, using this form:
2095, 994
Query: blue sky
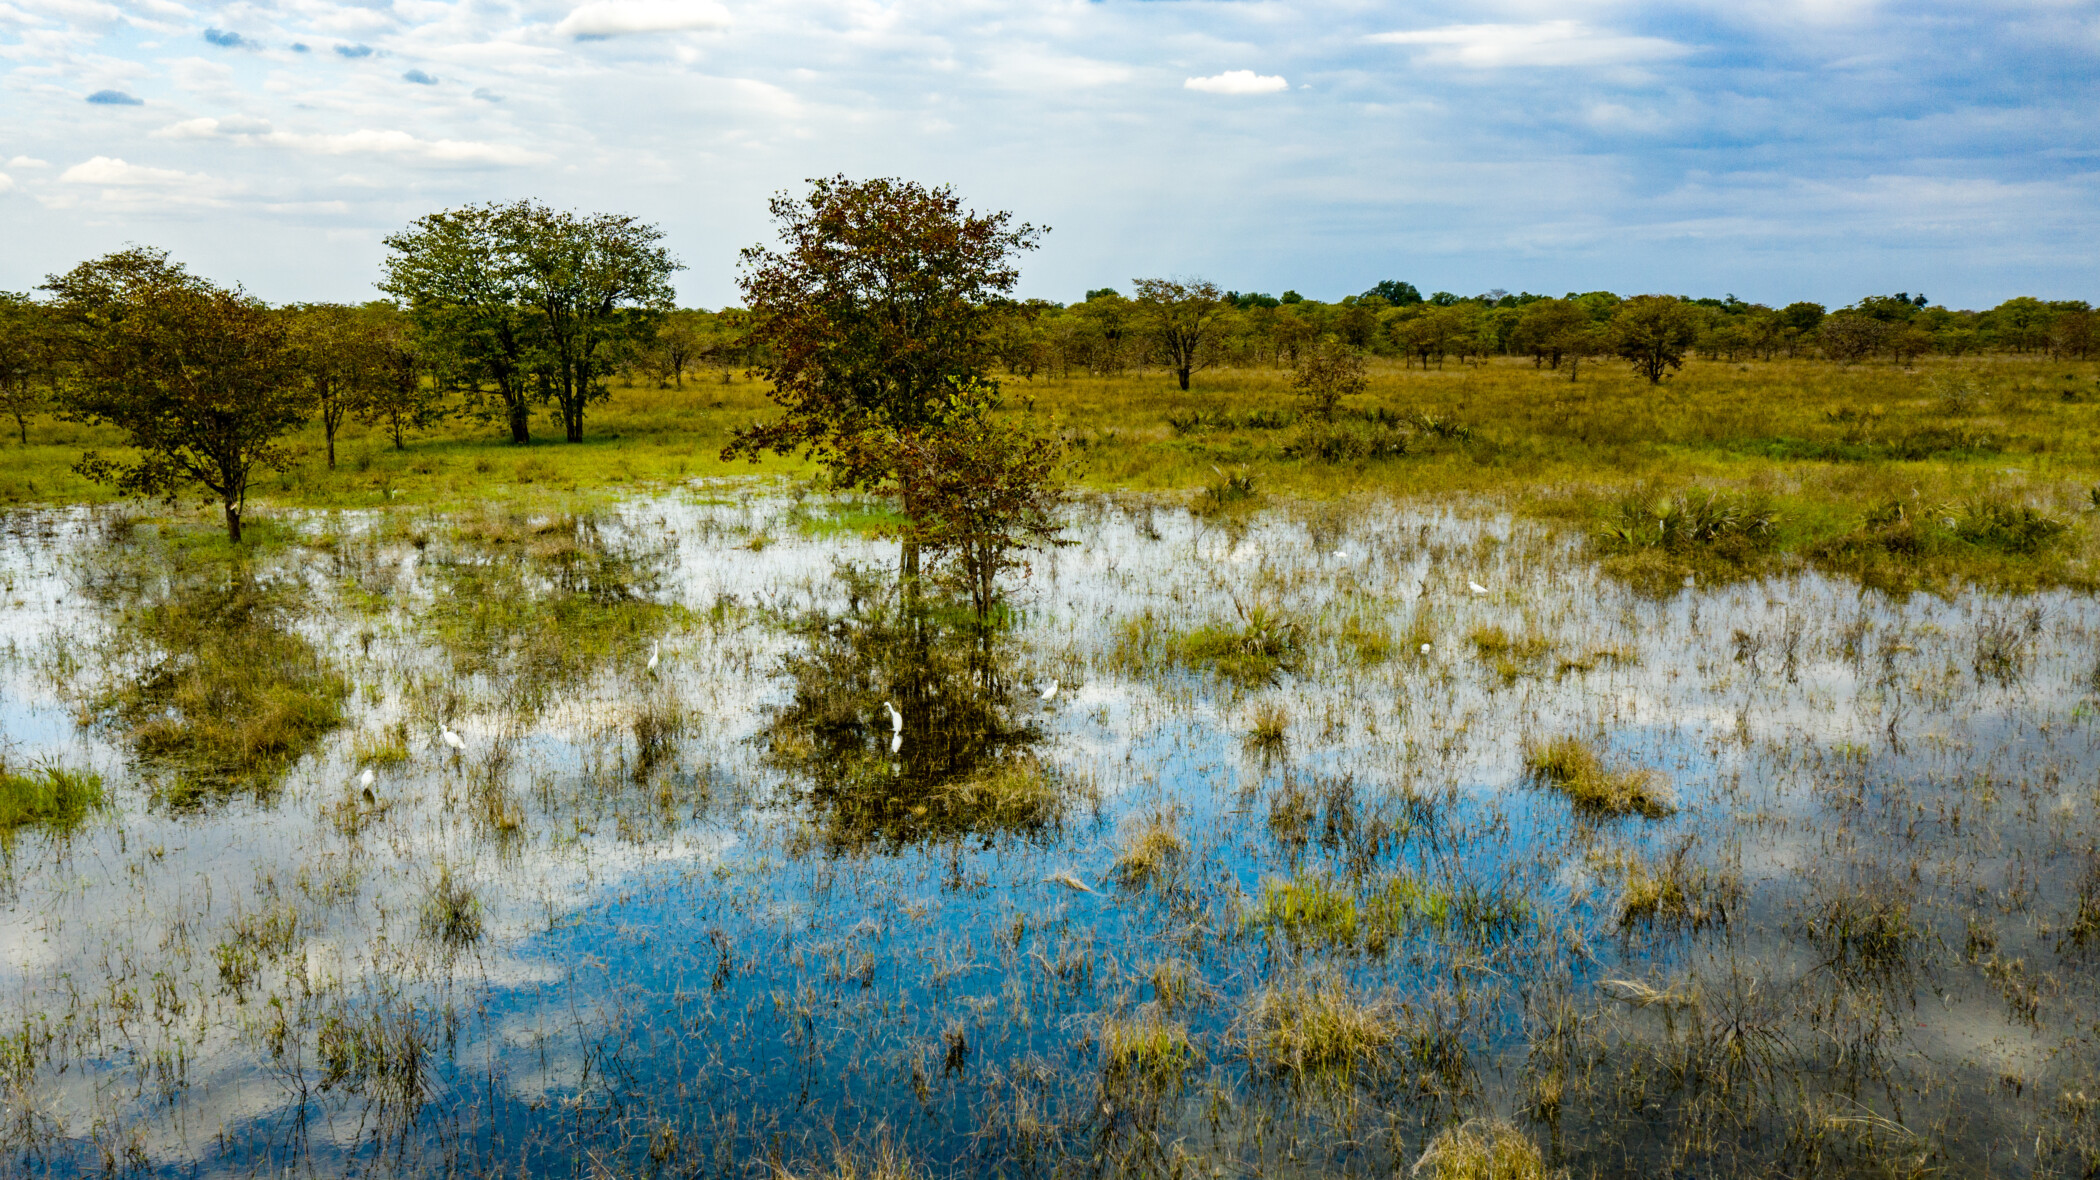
1779, 151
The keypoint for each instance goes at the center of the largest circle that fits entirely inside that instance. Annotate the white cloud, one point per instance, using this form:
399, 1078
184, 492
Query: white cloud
1238, 82
611, 18
108, 170
140, 186
28, 162
7, 183
1546, 43
256, 132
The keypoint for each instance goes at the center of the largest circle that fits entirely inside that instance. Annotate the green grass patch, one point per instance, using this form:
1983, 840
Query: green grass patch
50, 799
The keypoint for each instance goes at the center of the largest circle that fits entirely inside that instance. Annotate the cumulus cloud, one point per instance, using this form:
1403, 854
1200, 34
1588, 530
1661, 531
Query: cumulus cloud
1545, 43
7, 183
28, 162
1238, 82
612, 18
115, 98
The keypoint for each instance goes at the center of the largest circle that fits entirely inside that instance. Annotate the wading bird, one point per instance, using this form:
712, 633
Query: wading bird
652, 655
896, 727
1051, 691
1476, 587
450, 738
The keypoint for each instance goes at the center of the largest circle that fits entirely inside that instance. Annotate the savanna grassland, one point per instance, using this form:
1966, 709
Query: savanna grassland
1833, 453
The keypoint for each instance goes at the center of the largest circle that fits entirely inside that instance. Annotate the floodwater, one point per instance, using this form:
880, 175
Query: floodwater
713, 916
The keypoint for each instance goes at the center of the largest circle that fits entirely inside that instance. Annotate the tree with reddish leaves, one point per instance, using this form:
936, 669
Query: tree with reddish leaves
876, 310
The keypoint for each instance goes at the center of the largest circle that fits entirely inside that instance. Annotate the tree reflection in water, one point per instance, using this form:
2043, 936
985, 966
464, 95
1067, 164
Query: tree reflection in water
966, 766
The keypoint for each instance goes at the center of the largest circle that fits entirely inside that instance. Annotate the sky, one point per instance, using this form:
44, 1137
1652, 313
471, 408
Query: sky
1781, 150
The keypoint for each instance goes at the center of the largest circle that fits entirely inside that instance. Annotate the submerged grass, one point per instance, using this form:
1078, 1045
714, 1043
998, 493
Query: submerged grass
1481, 1149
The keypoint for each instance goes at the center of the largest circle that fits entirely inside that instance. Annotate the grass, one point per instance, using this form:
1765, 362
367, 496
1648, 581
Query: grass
1151, 854
1481, 1149
211, 683
1146, 1047
1304, 1029
50, 799
1253, 650
1824, 449
1574, 768
452, 910
1316, 910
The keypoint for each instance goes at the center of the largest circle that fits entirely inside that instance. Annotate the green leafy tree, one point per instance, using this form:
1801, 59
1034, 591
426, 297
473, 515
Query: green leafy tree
980, 495
28, 359
457, 275
339, 358
1180, 318
201, 379
400, 398
1652, 332
597, 285
1549, 329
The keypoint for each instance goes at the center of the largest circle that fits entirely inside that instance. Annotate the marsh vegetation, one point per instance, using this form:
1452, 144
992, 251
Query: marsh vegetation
1778, 876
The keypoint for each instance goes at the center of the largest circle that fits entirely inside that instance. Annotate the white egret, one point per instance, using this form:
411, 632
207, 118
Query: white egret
450, 738
652, 655
1051, 691
896, 727
1476, 587
366, 779
1425, 649
1341, 555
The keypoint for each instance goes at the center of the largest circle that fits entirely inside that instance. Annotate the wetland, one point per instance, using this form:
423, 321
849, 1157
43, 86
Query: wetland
566, 836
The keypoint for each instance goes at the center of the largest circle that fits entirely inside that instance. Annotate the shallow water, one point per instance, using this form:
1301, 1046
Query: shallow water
714, 934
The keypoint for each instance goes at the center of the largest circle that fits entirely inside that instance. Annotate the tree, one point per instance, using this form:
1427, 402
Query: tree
1396, 293
336, 353
598, 284
1849, 336
1653, 332
200, 378
398, 399
456, 274
1326, 375
1433, 333
2075, 332
979, 493
1179, 316
28, 363
1548, 329
876, 310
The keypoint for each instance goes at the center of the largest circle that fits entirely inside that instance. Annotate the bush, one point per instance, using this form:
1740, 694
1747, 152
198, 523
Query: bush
1348, 441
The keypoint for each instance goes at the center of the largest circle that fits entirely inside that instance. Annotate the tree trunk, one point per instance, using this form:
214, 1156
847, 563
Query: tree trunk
520, 422
574, 423
233, 523
1182, 374
22, 427
331, 448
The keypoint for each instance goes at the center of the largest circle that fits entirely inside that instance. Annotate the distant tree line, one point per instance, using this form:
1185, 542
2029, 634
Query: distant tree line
1186, 325
878, 323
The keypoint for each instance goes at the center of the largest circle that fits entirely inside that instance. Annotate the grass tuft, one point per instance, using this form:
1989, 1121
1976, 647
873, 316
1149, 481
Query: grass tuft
48, 798
1309, 1028
1481, 1149
1152, 852
1569, 765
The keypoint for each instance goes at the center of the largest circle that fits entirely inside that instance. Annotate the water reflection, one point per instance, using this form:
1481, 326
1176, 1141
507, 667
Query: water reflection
203, 673
956, 758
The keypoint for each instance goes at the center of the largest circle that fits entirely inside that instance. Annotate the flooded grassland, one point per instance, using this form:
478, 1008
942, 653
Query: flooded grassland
1322, 840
